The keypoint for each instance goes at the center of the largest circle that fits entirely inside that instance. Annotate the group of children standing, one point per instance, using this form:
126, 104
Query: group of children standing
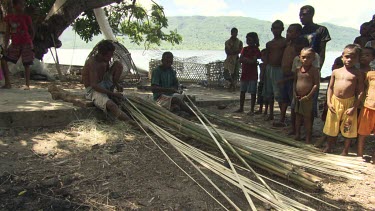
290, 74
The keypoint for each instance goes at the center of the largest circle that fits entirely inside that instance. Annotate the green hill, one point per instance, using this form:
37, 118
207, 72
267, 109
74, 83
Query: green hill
210, 33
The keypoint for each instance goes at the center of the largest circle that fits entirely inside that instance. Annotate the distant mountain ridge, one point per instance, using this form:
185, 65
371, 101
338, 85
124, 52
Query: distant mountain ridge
210, 33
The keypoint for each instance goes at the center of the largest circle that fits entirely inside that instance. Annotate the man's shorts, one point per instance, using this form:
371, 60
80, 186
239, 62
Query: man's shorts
366, 122
100, 99
272, 88
249, 87
335, 123
286, 90
16, 51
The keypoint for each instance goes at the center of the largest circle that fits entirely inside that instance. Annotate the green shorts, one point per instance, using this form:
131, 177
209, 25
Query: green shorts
271, 87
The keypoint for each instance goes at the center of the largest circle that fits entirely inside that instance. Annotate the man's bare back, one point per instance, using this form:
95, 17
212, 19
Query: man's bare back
275, 49
306, 79
345, 82
93, 71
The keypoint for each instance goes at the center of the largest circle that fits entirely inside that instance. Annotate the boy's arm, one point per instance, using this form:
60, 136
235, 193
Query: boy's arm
294, 86
359, 90
94, 81
330, 92
315, 86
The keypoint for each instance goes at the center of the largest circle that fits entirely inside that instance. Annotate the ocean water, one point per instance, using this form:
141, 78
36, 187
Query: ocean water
142, 57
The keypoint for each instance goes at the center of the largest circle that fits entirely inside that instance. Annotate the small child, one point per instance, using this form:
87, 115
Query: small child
260, 99
343, 98
367, 115
306, 83
249, 75
19, 29
336, 65
299, 44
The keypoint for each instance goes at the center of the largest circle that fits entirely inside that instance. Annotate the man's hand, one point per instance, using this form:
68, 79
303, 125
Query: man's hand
119, 88
350, 111
117, 95
331, 108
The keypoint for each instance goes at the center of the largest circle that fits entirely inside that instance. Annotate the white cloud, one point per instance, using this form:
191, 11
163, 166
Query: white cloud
339, 12
199, 7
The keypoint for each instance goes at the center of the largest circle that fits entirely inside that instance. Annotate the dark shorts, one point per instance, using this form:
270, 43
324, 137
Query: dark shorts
16, 51
249, 87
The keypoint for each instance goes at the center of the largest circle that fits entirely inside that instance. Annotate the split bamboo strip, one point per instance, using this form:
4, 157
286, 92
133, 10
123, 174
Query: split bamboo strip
229, 161
228, 144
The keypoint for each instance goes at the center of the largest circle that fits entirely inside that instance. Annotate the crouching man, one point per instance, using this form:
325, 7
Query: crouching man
100, 80
164, 84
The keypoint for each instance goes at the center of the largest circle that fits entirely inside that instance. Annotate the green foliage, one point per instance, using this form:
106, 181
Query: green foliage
134, 21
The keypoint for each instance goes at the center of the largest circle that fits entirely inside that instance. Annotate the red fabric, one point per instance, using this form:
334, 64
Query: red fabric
19, 28
250, 71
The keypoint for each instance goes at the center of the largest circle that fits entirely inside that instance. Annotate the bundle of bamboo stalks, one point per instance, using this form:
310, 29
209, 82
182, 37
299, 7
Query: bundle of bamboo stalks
214, 164
276, 163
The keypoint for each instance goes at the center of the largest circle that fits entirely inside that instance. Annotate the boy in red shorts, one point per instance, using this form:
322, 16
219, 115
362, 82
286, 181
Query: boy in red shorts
367, 116
20, 31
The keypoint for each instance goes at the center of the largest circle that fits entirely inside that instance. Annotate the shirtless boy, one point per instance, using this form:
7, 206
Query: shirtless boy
343, 98
286, 84
306, 83
367, 115
100, 80
274, 73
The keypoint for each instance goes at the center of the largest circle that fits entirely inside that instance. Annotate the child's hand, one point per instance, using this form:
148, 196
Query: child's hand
331, 108
350, 111
304, 98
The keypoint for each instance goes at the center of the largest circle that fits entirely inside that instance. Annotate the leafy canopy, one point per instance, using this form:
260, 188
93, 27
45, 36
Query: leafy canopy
126, 18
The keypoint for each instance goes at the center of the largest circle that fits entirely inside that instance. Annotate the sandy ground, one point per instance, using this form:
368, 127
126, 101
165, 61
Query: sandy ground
108, 166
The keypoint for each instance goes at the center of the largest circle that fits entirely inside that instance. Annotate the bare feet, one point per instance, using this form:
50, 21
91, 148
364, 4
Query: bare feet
270, 117
258, 112
291, 133
6, 86
279, 124
26, 87
344, 153
250, 113
239, 111
327, 150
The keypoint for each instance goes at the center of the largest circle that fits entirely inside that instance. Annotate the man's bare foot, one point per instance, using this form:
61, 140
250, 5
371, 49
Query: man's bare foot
344, 153
291, 133
26, 87
327, 150
239, 111
258, 112
270, 117
6, 86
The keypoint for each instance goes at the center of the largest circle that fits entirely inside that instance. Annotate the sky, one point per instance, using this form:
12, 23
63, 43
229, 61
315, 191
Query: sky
350, 13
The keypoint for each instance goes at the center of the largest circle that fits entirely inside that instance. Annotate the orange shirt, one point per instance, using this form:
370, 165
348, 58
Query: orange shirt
370, 94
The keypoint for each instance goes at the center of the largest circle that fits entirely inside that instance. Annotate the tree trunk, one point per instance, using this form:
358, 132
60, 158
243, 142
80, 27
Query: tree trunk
57, 23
